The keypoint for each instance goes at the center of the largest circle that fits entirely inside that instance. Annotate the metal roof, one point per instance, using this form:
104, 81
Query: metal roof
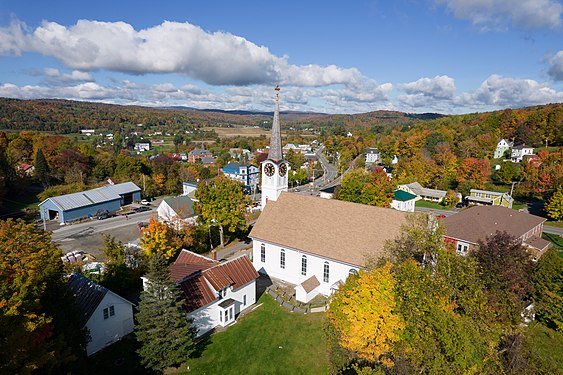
124, 188
94, 196
88, 295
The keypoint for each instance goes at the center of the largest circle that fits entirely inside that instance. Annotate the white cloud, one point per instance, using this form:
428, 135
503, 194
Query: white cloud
75, 75
502, 92
498, 13
556, 66
217, 58
439, 87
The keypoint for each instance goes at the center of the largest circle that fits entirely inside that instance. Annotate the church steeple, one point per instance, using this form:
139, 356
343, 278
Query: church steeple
275, 152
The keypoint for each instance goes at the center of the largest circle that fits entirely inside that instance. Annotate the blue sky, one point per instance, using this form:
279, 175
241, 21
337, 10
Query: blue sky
448, 56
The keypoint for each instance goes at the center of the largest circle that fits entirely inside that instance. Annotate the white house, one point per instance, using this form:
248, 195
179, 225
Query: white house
245, 173
305, 240
215, 293
188, 187
433, 195
108, 316
518, 153
502, 146
403, 201
177, 211
373, 156
146, 146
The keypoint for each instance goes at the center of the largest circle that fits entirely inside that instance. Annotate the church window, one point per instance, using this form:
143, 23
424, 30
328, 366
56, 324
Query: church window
304, 265
326, 272
263, 253
282, 258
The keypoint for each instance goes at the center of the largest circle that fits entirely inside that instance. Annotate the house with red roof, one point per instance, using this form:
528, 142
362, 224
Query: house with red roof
215, 293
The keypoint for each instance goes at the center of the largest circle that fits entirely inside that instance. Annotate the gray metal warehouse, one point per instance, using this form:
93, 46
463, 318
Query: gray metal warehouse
70, 207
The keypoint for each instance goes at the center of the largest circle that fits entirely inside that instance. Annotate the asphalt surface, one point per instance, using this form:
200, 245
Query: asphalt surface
87, 236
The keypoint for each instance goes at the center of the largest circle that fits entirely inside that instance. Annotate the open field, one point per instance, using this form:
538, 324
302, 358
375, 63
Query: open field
239, 132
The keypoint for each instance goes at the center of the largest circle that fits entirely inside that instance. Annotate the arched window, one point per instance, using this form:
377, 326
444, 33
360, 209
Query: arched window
282, 258
326, 271
303, 265
263, 253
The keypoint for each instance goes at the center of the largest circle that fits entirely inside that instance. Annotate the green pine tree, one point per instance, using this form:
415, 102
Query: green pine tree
163, 329
41, 168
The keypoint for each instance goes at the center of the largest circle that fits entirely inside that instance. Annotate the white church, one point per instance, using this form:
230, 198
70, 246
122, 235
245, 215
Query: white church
310, 242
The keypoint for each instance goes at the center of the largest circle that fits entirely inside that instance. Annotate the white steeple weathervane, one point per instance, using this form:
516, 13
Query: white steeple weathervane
274, 169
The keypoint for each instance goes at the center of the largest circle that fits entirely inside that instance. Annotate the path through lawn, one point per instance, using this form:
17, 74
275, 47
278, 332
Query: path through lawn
269, 340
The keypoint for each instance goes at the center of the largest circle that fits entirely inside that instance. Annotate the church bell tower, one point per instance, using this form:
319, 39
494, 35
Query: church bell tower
274, 169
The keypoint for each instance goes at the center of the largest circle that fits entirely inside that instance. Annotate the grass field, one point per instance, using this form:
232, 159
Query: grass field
240, 131
546, 346
426, 204
269, 340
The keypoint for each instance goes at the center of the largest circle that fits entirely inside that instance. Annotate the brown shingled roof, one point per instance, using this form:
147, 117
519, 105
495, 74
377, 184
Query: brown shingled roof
343, 231
207, 277
478, 222
310, 284
538, 243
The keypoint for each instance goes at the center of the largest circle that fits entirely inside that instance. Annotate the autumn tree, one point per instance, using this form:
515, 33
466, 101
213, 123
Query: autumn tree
222, 202
505, 269
39, 324
364, 313
163, 329
156, 238
474, 171
41, 168
554, 206
359, 186
507, 173
547, 278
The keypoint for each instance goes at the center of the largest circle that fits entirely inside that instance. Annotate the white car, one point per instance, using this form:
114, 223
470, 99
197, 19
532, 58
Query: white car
145, 202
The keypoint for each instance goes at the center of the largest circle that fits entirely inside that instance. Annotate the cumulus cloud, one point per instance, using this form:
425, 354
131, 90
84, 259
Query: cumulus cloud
556, 66
439, 87
75, 75
498, 13
217, 58
502, 92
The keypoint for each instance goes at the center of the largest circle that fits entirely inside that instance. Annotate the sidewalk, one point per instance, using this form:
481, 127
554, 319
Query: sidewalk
232, 250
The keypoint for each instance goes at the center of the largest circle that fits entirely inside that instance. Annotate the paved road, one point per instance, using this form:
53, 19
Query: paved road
436, 211
553, 230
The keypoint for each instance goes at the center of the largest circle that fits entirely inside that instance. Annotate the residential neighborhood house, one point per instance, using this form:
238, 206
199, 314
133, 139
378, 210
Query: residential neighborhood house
215, 293
490, 198
373, 156
518, 153
314, 243
426, 194
465, 229
503, 145
108, 316
142, 146
198, 154
177, 211
245, 173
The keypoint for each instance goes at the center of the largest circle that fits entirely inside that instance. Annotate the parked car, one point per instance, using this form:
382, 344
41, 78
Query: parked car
460, 205
142, 225
145, 202
142, 209
103, 214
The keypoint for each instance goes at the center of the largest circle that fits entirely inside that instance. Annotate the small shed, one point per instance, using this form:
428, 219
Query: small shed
69, 207
307, 290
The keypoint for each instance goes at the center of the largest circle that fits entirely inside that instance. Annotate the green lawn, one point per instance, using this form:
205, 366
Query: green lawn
426, 204
557, 242
545, 346
269, 340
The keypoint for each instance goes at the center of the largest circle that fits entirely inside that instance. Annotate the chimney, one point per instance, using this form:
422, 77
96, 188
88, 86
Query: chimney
213, 254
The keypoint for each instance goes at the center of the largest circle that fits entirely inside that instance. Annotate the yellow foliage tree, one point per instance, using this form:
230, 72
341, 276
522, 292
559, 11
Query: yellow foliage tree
158, 238
363, 312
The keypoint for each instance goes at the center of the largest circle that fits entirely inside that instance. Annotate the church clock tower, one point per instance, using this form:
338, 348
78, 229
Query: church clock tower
274, 169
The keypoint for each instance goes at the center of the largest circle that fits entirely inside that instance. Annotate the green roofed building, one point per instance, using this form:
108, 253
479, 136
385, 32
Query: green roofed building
403, 201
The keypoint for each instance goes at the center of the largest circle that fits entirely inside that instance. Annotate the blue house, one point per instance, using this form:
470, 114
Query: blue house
245, 173
69, 207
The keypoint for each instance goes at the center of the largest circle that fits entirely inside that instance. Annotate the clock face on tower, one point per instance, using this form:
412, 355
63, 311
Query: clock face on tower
283, 169
269, 169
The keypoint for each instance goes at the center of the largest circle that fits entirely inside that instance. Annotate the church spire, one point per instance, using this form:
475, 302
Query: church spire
275, 152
